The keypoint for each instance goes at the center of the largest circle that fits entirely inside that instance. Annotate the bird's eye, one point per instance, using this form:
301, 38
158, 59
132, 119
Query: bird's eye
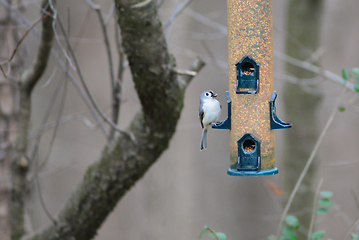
207, 94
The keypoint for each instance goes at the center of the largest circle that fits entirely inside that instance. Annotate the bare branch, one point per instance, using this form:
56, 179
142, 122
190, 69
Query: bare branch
32, 75
171, 21
123, 161
63, 67
89, 95
352, 228
206, 21
115, 99
185, 79
20, 163
314, 207
42, 201
119, 79
37, 132
110, 13
81, 93
315, 69
176, 13
18, 45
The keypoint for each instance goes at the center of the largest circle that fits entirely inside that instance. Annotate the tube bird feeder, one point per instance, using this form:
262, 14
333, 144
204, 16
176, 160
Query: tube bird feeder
251, 100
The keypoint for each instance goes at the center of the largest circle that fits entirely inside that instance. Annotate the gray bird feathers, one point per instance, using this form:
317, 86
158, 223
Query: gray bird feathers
209, 112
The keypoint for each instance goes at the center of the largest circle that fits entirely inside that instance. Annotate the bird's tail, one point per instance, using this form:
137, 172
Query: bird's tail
204, 139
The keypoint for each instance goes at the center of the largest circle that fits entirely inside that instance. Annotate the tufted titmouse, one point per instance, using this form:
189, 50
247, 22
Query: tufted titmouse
209, 112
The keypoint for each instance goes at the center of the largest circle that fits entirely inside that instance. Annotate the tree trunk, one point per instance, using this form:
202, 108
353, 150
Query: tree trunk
9, 37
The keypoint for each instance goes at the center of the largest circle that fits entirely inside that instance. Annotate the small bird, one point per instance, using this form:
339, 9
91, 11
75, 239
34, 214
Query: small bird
209, 112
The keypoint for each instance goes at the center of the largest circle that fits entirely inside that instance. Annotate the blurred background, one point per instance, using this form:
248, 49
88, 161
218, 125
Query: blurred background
187, 188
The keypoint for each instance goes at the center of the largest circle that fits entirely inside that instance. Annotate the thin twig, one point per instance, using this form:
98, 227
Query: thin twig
355, 199
42, 202
46, 117
212, 57
110, 63
119, 80
178, 11
81, 93
23, 37
110, 13
37, 132
314, 207
186, 72
315, 69
18, 44
62, 104
351, 229
63, 67
92, 5
214, 234
141, 4
89, 95
302, 81
57, 37
49, 80
171, 21
159, 3
309, 161
206, 21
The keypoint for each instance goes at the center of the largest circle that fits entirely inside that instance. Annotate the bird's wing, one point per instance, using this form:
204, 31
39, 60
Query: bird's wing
201, 116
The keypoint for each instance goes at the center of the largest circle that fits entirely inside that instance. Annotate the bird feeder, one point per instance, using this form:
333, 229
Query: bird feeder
251, 100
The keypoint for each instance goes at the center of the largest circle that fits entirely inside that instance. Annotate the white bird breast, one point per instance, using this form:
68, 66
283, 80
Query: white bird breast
212, 111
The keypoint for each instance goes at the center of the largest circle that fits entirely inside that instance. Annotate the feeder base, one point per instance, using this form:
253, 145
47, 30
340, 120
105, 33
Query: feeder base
252, 174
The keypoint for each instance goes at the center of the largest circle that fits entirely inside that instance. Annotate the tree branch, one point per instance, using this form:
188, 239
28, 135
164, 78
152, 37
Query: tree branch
62, 66
20, 163
123, 161
32, 75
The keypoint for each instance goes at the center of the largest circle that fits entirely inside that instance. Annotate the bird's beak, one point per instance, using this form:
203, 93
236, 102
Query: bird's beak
214, 94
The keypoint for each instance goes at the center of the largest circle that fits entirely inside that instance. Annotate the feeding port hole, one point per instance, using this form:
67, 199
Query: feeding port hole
247, 68
249, 145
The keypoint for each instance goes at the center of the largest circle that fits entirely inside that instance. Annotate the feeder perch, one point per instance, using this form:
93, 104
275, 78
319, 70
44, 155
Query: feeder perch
252, 114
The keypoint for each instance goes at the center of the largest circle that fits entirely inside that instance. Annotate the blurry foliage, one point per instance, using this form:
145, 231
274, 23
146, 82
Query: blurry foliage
289, 232
347, 77
212, 234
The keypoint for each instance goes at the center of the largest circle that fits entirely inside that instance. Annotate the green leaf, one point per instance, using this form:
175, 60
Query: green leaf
322, 211
283, 238
317, 235
326, 194
292, 221
356, 73
355, 236
345, 74
271, 237
356, 87
289, 233
205, 229
219, 235
341, 109
325, 202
